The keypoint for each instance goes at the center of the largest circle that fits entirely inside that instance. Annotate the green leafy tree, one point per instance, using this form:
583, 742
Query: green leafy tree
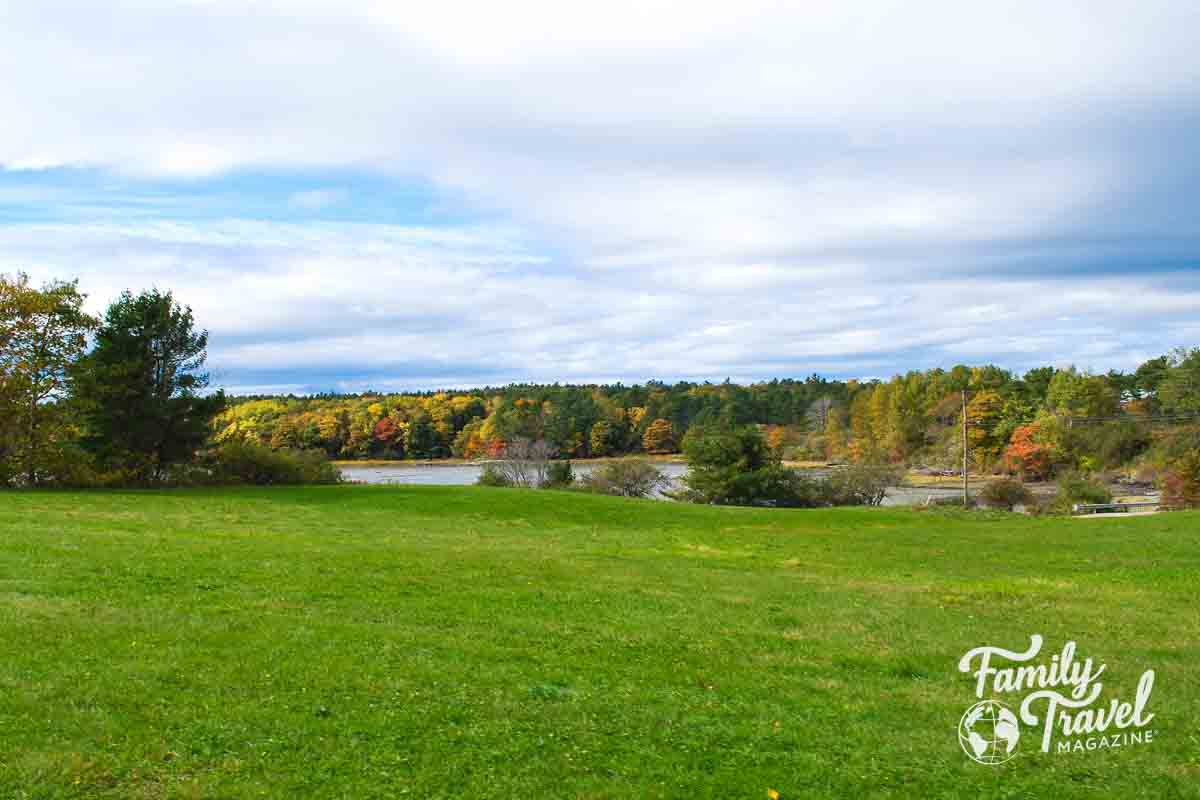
1081, 395
1179, 391
142, 388
43, 333
1150, 375
420, 439
602, 435
1036, 384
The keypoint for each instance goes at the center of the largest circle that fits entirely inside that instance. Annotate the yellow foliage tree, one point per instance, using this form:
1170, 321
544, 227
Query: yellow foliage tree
659, 437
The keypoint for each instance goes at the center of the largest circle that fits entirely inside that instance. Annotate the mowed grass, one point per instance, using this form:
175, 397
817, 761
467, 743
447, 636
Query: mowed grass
430, 642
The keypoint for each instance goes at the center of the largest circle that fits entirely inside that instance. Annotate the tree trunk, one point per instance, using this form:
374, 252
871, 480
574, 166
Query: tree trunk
31, 446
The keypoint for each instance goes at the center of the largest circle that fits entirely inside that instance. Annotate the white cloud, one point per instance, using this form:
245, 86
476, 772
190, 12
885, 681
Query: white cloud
848, 184
382, 305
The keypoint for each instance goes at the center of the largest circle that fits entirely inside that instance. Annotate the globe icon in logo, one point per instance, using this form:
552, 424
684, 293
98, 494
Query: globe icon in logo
988, 732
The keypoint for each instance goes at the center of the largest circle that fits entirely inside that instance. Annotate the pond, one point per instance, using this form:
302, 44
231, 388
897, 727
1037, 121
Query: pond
434, 474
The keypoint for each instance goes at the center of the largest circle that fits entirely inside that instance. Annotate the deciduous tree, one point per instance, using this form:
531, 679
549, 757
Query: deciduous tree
1029, 454
659, 437
43, 333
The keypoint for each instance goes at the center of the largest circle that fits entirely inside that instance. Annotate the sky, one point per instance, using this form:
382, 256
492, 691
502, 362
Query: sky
392, 196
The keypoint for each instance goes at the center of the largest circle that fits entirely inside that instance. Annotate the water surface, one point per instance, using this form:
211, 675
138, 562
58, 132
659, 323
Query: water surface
434, 474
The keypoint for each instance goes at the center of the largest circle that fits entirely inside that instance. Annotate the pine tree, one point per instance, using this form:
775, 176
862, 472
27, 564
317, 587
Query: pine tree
142, 388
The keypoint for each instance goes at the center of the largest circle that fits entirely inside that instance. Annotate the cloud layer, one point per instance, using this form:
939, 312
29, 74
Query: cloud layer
459, 195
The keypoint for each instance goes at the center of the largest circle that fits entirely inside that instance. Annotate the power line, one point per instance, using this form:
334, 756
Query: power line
1167, 418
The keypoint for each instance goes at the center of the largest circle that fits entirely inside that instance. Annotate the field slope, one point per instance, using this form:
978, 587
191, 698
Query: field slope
451, 642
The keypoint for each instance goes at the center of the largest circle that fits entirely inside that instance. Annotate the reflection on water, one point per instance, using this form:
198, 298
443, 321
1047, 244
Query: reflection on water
465, 474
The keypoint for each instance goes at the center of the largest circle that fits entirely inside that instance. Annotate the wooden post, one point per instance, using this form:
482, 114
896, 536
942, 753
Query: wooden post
966, 491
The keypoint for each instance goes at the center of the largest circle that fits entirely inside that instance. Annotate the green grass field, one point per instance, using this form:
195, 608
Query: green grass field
429, 642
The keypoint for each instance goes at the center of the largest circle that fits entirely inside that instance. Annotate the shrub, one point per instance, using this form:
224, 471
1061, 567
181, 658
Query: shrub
1082, 490
952, 501
524, 463
1181, 484
256, 464
776, 485
863, 484
559, 475
64, 464
1075, 488
493, 475
1039, 506
626, 478
1006, 494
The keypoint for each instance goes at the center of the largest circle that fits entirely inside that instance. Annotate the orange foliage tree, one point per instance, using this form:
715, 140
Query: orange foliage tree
1026, 455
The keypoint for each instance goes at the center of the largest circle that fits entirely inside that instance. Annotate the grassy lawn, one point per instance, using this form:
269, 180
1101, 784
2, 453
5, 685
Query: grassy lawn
428, 642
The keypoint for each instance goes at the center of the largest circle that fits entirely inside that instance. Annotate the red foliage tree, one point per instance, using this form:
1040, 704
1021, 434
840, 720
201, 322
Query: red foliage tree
386, 431
1026, 456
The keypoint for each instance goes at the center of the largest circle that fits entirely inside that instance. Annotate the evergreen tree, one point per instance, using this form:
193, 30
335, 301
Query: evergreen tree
142, 388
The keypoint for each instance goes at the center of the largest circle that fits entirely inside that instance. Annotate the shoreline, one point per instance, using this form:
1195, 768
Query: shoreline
404, 463
467, 462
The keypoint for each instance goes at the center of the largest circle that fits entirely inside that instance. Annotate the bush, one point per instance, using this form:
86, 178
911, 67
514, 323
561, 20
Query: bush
626, 478
524, 463
1075, 488
1082, 490
952, 501
258, 465
1039, 506
1006, 494
493, 475
66, 465
863, 484
559, 475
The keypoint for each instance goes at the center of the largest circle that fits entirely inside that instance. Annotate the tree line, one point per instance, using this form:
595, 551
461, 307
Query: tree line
1042, 422
124, 399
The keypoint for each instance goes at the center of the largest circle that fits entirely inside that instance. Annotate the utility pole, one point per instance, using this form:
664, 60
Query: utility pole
966, 493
